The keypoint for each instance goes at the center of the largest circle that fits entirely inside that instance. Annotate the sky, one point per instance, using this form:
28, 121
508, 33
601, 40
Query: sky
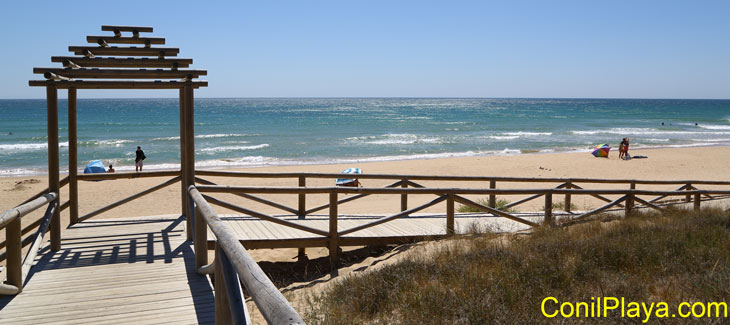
517, 49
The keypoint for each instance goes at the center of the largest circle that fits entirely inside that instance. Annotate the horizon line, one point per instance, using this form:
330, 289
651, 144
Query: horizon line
388, 97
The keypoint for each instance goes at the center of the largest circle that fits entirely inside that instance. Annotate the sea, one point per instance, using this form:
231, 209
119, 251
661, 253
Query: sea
246, 132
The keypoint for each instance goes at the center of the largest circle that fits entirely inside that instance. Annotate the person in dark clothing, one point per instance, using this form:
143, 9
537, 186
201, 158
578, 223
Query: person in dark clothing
138, 160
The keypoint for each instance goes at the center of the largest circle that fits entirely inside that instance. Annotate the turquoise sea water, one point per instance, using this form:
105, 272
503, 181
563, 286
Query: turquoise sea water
255, 132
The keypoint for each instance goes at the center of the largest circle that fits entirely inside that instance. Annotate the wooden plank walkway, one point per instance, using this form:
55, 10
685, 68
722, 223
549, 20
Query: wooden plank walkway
138, 270
256, 233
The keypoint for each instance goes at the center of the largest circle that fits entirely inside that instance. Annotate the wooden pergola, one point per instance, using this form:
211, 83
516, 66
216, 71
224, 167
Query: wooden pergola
121, 67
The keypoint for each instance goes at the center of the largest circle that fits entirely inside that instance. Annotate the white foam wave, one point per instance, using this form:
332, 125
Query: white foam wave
504, 137
396, 139
28, 146
647, 131
234, 148
166, 139
715, 127
220, 135
527, 134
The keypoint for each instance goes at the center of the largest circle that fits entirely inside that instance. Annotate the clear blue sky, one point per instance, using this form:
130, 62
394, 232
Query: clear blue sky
611, 49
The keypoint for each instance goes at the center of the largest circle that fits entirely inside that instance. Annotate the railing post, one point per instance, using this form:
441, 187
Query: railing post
697, 201
333, 246
548, 210
629, 204
302, 198
450, 229
492, 197
222, 305
301, 252
201, 237
14, 261
404, 197
53, 167
568, 185
688, 197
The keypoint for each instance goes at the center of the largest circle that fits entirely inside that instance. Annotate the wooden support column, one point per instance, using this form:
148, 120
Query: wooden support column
688, 197
548, 210
222, 304
189, 146
14, 263
183, 179
568, 185
404, 197
333, 245
697, 202
301, 252
629, 204
450, 229
492, 197
54, 184
73, 182
201, 239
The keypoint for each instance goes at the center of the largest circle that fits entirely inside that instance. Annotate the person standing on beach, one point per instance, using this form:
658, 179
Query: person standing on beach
626, 149
622, 148
138, 160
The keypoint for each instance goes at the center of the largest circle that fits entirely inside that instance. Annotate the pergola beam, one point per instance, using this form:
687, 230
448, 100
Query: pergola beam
129, 51
81, 84
140, 29
126, 40
122, 73
123, 62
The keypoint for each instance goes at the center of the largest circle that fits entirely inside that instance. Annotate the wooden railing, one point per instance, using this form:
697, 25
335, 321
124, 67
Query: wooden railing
17, 268
234, 264
628, 199
407, 181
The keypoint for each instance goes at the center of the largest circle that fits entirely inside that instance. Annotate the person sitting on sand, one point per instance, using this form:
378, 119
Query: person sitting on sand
111, 169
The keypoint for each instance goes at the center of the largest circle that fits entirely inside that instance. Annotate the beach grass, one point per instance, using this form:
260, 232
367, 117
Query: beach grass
499, 205
673, 257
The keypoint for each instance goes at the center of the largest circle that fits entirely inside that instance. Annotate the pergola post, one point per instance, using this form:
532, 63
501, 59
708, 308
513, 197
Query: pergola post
73, 185
53, 169
189, 149
183, 165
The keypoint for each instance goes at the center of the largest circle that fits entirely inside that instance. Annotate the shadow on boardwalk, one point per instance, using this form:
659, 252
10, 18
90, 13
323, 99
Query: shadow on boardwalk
137, 269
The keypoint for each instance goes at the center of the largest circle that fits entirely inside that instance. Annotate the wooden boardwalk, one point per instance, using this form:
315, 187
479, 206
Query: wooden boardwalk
142, 270
256, 233
138, 270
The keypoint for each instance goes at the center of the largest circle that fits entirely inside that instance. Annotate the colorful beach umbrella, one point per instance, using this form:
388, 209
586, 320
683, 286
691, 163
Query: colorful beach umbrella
601, 150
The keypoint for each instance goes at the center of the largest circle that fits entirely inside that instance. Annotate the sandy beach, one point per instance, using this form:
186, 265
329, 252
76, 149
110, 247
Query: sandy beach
696, 163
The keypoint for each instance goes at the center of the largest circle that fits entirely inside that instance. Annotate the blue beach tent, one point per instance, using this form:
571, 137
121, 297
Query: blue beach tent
95, 166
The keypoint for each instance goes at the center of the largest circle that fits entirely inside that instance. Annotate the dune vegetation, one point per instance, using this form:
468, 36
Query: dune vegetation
673, 257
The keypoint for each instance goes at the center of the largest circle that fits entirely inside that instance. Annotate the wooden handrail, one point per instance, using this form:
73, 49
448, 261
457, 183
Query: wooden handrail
18, 212
455, 178
10, 220
129, 198
440, 191
272, 304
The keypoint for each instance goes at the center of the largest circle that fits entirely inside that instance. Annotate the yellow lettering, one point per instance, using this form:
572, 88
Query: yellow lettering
562, 311
647, 312
606, 307
694, 313
716, 306
634, 310
577, 309
680, 310
662, 310
542, 307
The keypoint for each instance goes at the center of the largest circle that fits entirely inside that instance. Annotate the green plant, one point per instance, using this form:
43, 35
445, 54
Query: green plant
500, 205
